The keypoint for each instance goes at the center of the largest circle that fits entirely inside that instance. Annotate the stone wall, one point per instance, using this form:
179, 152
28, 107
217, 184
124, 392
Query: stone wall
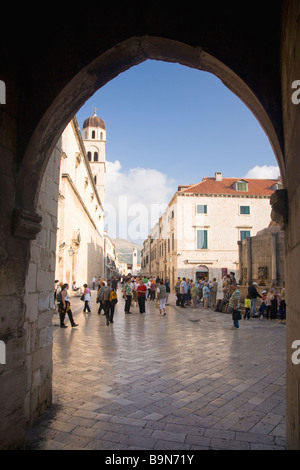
38, 298
261, 258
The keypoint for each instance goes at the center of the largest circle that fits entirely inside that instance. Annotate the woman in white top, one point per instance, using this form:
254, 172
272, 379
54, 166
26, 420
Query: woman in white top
64, 307
87, 298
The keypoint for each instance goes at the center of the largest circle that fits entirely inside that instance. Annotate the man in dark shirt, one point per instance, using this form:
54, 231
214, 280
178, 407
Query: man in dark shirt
106, 302
114, 284
253, 294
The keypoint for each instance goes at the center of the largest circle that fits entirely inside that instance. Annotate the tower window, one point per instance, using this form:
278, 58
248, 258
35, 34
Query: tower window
101, 136
89, 155
93, 134
95, 156
95, 179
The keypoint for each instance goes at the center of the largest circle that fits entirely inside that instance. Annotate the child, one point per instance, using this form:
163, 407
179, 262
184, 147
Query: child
247, 307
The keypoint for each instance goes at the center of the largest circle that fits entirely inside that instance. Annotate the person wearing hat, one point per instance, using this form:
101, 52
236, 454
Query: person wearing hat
263, 306
253, 293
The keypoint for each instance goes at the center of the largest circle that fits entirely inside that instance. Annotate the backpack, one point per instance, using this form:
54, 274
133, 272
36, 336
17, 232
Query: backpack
113, 297
59, 297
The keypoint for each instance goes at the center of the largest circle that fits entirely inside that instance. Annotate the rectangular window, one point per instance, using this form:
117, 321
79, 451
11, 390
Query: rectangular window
201, 209
241, 186
173, 242
245, 234
201, 239
245, 210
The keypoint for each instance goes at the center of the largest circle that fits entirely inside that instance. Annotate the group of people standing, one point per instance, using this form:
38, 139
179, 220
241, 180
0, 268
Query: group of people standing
140, 289
136, 290
272, 303
191, 293
107, 298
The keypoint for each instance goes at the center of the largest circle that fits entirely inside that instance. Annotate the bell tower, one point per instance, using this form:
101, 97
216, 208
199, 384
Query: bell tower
94, 139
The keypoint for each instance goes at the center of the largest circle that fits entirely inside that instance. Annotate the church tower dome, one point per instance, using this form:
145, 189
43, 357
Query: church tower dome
94, 121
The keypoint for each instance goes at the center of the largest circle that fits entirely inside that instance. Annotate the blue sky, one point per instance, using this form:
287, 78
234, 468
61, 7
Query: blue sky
167, 125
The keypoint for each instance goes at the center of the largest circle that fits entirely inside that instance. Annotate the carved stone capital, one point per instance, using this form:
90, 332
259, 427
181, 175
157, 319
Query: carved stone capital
26, 224
279, 203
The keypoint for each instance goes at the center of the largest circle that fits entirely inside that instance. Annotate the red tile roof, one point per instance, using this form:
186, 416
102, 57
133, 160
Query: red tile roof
256, 187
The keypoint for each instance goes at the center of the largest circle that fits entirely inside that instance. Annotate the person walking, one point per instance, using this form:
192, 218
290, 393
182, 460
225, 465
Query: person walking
152, 289
167, 284
65, 307
113, 299
233, 306
141, 295
87, 298
99, 300
106, 301
127, 294
161, 293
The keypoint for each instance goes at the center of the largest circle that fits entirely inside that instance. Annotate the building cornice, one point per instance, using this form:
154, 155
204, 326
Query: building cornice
70, 181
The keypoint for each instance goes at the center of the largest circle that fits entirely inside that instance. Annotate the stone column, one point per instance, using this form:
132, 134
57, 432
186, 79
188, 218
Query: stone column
290, 71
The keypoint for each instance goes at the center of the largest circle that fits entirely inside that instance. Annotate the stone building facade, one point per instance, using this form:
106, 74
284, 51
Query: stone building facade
198, 233
80, 234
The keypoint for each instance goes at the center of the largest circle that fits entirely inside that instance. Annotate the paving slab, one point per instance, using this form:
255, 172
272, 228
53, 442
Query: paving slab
183, 381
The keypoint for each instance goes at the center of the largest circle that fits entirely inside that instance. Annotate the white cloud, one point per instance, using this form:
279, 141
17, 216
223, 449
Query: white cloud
264, 172
134, 199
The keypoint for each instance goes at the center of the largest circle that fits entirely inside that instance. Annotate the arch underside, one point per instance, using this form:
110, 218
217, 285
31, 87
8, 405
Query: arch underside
103, 69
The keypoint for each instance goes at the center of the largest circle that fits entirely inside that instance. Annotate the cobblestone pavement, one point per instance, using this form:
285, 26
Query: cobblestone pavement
177, 382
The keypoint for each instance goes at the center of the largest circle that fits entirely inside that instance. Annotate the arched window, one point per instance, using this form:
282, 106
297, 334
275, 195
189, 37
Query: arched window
101, 136
95, 179
93, 134
95, 156
89, 155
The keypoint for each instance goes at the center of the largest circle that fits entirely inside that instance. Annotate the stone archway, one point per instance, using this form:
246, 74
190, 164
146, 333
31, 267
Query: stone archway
31, 185
215, 43
103, 69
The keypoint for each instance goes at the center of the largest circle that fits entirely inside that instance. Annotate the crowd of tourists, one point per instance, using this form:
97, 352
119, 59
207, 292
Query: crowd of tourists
191, 293
272, 301
137, 290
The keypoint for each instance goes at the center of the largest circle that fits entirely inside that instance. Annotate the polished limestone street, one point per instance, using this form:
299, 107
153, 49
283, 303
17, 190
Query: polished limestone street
183, 381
